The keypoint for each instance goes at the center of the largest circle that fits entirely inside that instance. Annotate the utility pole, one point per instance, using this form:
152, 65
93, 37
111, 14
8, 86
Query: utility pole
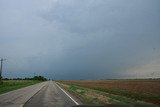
1, 68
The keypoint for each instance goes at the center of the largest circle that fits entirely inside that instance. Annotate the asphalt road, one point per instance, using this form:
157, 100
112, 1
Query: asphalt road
51, 95
18, 97
46, 94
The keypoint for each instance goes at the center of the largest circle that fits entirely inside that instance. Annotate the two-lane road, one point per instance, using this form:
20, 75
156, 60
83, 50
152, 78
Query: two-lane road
46, 94
51, 96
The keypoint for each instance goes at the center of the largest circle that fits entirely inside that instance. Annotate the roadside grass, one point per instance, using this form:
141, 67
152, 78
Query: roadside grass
100, 97
9, 85
117, 88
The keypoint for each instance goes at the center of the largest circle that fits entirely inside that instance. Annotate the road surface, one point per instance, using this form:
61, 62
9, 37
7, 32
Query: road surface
46, 94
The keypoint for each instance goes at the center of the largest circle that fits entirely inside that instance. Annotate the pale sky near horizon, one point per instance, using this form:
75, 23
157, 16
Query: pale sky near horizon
80, 39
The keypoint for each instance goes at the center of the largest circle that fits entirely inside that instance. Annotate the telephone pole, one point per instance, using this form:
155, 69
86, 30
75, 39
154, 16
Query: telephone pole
1, 68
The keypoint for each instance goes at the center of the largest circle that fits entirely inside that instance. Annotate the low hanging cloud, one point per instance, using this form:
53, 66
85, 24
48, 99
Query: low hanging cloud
80, 39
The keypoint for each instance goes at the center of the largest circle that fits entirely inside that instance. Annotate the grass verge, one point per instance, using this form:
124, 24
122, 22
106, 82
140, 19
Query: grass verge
9, 85
98, 97
143, 90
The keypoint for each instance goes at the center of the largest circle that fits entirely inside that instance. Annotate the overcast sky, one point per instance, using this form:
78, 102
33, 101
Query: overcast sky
80, 39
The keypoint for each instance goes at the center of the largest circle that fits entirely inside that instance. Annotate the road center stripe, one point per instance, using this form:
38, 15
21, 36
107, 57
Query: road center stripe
67, 94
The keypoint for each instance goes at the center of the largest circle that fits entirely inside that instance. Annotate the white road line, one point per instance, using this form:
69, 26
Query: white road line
22, 105
67, 95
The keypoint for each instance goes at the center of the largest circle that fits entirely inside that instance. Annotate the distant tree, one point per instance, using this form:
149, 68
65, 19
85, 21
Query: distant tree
27, 78
17, 78
41, 78
5, 79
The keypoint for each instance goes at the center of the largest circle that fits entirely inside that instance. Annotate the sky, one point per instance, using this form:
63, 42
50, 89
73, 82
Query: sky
80, 39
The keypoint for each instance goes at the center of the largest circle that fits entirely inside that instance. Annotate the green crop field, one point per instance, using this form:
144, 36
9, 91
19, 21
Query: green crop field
9, 85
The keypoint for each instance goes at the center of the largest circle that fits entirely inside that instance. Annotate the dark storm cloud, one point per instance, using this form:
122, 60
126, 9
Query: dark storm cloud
80, 39
89, 16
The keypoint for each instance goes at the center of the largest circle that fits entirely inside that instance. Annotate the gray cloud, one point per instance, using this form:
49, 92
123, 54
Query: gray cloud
80, 39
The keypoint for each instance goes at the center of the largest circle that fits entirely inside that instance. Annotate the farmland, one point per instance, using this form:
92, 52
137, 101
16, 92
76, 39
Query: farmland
138, 90
9, 85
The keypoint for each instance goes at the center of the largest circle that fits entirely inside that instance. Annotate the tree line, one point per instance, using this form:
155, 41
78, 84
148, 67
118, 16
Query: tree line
40, 78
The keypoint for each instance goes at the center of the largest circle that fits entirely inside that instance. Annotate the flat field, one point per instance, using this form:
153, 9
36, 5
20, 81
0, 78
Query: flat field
143, 90
9, 85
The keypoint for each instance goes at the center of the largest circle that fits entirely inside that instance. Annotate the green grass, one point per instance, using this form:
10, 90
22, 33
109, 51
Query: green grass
9, 85
81, 92
133, 95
